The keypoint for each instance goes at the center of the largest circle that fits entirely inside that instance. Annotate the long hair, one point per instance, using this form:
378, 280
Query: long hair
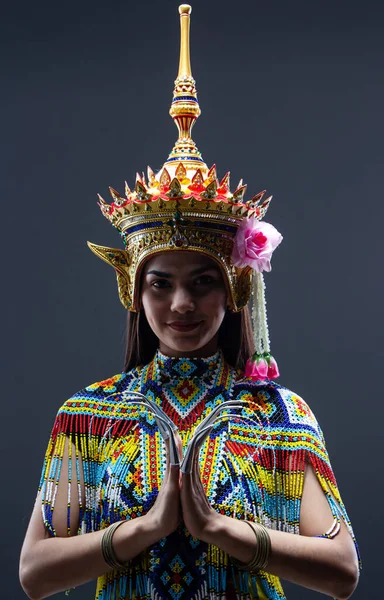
235, 339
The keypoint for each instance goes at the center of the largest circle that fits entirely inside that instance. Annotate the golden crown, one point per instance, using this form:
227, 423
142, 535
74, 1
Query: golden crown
183, 206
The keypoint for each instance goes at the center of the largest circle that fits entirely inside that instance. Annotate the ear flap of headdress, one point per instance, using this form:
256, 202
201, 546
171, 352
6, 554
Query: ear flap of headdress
120, 261
241, 291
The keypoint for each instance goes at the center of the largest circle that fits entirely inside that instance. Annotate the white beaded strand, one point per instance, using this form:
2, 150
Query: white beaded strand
255, 315
259, 314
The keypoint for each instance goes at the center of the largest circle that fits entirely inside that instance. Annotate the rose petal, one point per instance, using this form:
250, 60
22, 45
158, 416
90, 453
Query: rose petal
273, 369
248, 368
261, 366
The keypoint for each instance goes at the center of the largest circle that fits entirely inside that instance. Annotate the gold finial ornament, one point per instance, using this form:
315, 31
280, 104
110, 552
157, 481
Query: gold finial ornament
185, 107
182, 207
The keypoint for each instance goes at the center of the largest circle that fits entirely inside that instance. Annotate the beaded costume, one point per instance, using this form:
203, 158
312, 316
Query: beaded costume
252, 467
260, 435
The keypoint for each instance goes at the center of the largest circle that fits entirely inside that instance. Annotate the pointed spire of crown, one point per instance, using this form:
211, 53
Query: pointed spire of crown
185, 107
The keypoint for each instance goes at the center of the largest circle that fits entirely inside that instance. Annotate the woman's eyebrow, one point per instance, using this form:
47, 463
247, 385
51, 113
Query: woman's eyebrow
159, 273
204, 268
197, 271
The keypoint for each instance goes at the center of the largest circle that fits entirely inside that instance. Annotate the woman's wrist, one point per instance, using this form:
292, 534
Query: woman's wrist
133, 537
214, 530
151, 529
232, 536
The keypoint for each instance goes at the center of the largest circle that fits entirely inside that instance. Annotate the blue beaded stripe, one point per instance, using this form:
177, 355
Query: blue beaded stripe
189, 222
145, 226
219, 226
189, 98
196, 158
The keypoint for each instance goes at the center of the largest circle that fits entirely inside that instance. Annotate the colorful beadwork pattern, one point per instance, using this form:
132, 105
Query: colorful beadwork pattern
251, 468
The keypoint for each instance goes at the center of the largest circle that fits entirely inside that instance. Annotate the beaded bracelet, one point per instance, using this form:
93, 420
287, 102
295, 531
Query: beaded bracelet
107, 548
333, 531
263, 549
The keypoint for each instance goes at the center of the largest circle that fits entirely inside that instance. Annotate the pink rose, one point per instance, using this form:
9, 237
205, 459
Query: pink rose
254, 243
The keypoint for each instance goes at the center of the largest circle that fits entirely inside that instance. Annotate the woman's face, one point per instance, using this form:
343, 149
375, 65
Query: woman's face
184, 299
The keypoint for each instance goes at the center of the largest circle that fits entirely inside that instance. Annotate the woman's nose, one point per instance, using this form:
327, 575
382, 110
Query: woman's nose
182, 301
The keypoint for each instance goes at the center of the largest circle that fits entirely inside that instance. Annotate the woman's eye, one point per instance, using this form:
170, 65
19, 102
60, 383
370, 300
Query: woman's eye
199, 281
204, 280
160, 283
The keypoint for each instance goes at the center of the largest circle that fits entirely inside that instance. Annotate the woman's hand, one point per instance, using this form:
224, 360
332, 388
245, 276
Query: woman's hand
199, 517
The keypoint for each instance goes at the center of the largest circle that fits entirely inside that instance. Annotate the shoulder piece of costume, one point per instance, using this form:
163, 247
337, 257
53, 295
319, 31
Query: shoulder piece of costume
252, 467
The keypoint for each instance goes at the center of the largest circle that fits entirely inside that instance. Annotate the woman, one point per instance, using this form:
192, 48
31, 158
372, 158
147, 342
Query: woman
185, 478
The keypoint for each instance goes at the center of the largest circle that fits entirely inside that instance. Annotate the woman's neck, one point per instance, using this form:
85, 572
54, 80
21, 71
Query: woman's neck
208, 350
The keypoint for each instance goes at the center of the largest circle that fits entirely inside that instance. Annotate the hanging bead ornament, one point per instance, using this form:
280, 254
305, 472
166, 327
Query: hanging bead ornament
262, 364
253, 246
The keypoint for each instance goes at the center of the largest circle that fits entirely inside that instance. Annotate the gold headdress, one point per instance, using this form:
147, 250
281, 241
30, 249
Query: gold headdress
183, 206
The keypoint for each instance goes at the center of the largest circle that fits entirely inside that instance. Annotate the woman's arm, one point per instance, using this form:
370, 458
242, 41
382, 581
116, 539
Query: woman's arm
52, 564
325, 565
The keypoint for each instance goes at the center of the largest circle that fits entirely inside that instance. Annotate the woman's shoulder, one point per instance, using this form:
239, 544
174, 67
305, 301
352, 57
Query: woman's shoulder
281, 405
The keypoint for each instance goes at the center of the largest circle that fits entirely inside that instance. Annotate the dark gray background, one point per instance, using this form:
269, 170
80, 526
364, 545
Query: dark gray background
292, 101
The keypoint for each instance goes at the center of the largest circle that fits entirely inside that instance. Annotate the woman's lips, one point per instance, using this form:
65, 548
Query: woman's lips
184, 326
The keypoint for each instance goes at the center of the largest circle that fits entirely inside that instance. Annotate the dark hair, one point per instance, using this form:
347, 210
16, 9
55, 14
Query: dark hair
235, 339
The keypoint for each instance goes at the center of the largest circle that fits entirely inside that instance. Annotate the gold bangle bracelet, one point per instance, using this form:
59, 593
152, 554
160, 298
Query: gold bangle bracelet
260, 559
107, 548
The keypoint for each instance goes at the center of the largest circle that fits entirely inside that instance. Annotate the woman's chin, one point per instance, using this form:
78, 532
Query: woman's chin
188, 346
185, 346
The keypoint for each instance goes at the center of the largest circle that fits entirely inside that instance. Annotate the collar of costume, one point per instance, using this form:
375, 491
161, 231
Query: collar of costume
191, 368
